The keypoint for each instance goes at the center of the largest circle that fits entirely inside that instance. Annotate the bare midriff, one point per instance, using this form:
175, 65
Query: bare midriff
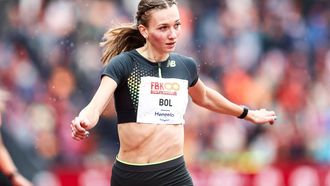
149, 143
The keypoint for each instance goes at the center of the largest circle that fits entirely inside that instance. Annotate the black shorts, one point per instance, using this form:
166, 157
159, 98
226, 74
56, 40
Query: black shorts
170, 173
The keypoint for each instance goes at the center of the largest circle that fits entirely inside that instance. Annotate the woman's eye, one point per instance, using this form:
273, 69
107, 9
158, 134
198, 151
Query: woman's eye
177, 25
163, 28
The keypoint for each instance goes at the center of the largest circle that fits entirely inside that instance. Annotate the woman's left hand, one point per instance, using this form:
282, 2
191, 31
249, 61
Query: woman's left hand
261, 116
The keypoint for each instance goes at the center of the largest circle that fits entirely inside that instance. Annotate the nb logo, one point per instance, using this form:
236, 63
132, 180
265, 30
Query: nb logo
171, 63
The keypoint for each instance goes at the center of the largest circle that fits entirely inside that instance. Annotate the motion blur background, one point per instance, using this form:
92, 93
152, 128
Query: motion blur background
270, 54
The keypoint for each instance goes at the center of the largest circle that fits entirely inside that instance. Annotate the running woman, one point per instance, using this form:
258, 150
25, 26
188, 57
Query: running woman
151, 85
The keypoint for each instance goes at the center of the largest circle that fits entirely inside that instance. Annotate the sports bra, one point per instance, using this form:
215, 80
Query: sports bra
127, 69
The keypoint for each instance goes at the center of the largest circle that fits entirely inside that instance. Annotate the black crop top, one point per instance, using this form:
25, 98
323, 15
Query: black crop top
127, 68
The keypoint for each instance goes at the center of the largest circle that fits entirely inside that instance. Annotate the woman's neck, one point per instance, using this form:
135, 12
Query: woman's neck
151, 54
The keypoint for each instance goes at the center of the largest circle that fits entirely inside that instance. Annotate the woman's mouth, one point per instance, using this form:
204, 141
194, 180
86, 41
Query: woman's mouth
171, 44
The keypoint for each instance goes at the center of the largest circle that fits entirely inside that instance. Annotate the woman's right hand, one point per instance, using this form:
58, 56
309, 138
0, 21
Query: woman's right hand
79, 128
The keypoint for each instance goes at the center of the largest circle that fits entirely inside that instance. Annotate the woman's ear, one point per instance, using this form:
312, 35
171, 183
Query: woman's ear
143, 30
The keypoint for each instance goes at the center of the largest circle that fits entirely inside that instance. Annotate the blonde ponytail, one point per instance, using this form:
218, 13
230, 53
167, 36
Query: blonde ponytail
120, 39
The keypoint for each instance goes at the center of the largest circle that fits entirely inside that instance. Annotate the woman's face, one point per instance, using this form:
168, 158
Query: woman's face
163, 29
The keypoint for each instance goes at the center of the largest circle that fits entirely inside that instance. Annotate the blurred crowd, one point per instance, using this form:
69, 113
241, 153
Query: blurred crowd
272, 54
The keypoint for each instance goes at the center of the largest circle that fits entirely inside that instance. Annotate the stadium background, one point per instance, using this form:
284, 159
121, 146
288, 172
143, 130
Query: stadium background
261, 53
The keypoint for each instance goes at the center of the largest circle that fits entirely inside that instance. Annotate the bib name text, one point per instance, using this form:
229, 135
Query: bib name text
165, 102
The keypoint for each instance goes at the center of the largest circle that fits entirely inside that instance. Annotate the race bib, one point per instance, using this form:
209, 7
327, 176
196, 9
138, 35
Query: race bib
162, 100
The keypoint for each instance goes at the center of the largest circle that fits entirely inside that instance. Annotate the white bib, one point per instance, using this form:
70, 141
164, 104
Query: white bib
162, 100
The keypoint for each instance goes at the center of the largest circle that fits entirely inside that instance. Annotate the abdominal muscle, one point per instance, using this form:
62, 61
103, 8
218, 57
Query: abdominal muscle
149, 143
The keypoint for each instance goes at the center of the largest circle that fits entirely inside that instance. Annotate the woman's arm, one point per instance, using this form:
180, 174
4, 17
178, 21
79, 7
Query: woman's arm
214, 101
8, 167
89, 116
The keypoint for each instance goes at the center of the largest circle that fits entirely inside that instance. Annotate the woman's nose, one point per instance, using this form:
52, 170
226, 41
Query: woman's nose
173, 34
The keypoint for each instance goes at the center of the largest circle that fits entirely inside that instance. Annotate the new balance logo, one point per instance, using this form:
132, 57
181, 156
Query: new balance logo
171, 63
